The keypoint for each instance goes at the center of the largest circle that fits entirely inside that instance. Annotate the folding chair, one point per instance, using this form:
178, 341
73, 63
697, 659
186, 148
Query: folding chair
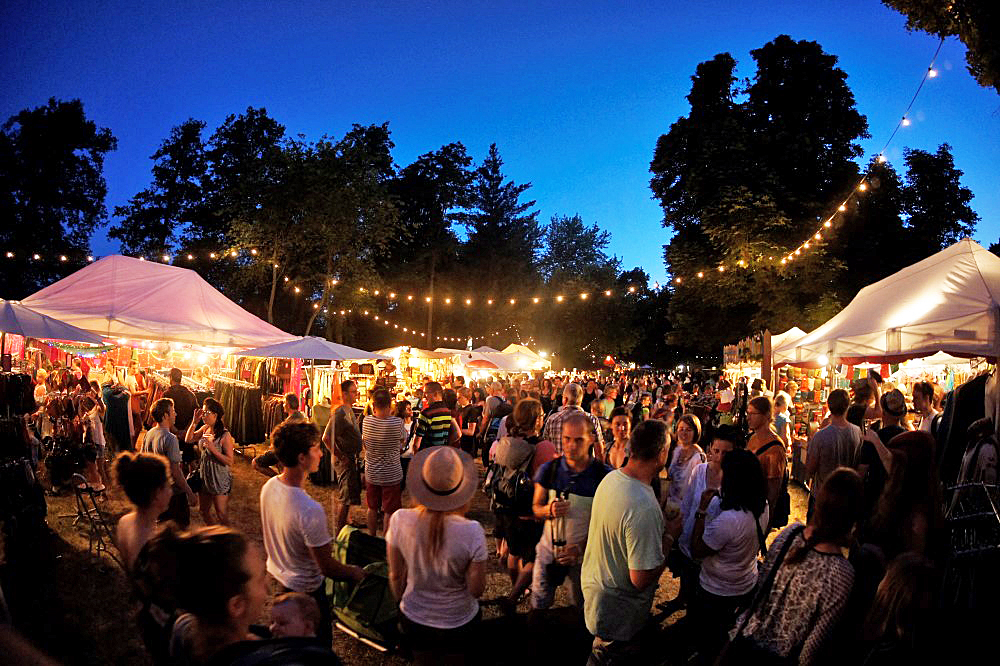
94, 520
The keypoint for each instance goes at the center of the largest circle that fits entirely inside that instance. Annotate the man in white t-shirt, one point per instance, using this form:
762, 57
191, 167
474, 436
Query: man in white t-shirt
296, 536
626, 545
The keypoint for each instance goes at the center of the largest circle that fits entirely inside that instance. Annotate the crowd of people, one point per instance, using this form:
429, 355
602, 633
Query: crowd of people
597, 485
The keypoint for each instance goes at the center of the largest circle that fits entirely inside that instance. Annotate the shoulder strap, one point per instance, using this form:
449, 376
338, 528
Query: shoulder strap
767, 447
761, 539
765, 589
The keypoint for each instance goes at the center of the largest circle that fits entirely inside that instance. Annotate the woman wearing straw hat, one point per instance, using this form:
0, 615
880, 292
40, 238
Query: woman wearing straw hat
437, 557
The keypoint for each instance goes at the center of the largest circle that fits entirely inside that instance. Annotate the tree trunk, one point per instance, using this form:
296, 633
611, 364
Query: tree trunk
274, 283
327, 280
430, 304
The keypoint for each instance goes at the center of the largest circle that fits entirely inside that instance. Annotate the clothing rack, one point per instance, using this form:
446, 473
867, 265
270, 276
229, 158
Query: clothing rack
234, 382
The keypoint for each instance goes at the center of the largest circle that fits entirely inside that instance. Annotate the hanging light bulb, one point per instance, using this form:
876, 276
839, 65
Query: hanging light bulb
447, 301
931, 73
392, 294
863, 187
10, 255
558, 298
468, 301
722, 269
253, 251
489, 302
410, 297
806, 245
631, 290
677, 280
828, 224
375, 292
607, 292
297, 290
286, 278
90, 257
62, 257
817, 236
700, 274
428, 299
784, 261
512, 301
905, 121
166, 258
535, 299
233, 253
315, 306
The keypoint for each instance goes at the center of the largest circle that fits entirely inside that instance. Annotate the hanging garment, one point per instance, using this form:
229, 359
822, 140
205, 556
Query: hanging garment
963, 406
243, 409
117, 419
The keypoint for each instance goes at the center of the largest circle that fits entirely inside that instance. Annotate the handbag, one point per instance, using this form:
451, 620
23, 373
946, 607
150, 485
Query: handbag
194, 480
743, 650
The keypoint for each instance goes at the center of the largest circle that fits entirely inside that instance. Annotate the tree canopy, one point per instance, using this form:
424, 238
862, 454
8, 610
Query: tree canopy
52, 193
975, 22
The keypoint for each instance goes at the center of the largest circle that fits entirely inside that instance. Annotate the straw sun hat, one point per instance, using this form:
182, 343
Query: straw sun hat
442, 478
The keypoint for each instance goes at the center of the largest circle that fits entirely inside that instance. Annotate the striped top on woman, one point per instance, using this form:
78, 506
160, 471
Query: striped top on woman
383, 440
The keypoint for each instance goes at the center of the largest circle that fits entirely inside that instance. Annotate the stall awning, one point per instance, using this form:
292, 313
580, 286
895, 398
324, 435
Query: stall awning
311, 347
121, 297
947, 302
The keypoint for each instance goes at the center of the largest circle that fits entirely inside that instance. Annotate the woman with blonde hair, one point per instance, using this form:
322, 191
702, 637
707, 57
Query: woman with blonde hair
437, 558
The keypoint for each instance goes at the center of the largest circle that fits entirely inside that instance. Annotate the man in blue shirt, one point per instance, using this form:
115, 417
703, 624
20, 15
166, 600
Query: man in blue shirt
564, 493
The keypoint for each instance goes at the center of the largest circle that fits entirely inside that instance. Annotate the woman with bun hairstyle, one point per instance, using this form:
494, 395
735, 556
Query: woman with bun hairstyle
145, 478
217, 454
437, 558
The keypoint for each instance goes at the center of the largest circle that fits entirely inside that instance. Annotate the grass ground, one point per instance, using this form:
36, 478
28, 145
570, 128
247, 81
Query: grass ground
75, 606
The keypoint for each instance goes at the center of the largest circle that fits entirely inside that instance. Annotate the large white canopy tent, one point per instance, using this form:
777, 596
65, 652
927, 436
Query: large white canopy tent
947, 302
122, 297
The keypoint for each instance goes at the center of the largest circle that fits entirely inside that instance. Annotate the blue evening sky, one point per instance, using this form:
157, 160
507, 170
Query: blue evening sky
574, 93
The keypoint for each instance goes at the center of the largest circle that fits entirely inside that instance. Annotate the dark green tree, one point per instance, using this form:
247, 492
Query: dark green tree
152, 221
52, 193
504, 236
743, 177
935, 202
572, 250
428, 195
975, 22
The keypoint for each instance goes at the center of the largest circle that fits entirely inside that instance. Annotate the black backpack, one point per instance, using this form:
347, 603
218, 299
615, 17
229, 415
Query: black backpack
510, 489
781, 512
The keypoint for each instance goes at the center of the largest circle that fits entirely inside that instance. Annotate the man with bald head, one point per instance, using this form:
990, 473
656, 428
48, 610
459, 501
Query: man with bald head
572, 398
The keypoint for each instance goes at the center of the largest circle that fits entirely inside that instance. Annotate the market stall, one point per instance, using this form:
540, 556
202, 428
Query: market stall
948, 302
165, 316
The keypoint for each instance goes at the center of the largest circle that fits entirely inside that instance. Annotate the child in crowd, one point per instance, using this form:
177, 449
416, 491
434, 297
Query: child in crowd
294, 614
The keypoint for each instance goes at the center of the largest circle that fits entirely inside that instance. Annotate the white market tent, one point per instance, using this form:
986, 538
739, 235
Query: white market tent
783, 340
311, 347
947, 302
122, 297
540, 362
505, 362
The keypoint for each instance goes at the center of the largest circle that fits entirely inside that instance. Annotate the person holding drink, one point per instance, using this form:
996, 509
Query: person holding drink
564, 494
217, 455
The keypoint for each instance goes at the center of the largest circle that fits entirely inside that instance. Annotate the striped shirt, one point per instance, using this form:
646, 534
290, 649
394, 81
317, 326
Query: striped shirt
383, 440
552, 430
434, 425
